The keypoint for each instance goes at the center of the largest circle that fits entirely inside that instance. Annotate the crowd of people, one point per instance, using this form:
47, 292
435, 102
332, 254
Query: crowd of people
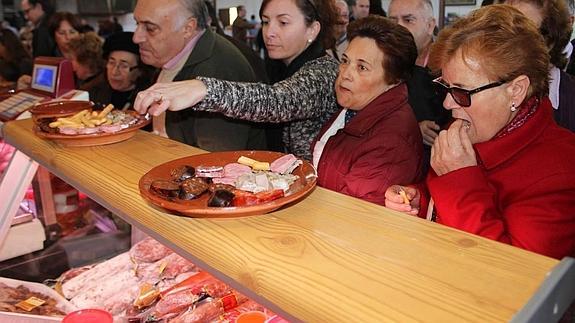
471, 127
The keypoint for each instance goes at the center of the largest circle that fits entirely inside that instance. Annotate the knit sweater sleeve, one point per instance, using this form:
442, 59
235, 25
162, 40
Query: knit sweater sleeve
309, 93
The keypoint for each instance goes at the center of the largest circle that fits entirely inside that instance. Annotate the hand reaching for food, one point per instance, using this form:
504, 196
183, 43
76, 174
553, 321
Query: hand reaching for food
173, 96
403, 199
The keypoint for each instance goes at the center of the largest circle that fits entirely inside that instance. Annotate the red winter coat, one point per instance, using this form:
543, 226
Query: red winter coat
380, 146
521, 193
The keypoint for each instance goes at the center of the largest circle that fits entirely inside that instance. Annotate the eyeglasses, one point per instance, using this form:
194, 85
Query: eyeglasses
122, 66
463, 96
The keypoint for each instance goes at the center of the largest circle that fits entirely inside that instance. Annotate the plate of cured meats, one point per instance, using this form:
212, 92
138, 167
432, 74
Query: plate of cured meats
74, 123
228, 184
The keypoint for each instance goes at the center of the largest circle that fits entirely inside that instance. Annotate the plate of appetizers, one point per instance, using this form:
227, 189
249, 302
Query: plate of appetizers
75, 123
228, 184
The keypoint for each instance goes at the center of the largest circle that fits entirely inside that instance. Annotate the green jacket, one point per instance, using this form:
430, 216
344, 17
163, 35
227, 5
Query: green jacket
214, 56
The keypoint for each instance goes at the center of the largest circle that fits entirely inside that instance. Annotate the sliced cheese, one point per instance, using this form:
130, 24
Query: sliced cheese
246, 161
261, 166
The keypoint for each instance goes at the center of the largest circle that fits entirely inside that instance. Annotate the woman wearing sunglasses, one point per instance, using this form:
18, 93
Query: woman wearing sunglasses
504, 169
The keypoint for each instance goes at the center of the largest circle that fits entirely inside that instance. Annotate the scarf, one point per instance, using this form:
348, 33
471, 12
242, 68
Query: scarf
525, 111
277, 71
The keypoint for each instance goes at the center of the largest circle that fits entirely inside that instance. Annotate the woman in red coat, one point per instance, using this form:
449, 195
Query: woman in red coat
382, 144
504, 169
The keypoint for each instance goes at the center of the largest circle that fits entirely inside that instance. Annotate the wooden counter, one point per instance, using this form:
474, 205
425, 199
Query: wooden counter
327, 258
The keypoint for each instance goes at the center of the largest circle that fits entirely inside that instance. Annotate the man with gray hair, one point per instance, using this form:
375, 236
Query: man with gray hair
340, 28
359, 9
173, 36
417, 17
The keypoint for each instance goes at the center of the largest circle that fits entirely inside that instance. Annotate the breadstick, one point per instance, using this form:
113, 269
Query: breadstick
78, 116
404, 196
85, 120
106, 110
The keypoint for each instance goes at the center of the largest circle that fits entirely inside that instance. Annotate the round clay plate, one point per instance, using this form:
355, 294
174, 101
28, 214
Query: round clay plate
199, 207
95, 139
60, 108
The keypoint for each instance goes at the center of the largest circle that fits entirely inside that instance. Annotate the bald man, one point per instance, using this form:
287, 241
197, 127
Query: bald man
173, 35
417, 16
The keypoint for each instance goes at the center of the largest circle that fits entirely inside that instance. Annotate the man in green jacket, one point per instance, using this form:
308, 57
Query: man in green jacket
173, 35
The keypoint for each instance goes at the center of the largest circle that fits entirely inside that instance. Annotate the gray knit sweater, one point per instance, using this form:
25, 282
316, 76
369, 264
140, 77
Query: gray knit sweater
306, 99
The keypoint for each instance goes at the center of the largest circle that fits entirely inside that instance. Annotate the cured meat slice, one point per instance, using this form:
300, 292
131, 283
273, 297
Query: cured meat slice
211, 308
234, 170
168, 267
285, 164
95, 276
179, 300
149, 250
113, 286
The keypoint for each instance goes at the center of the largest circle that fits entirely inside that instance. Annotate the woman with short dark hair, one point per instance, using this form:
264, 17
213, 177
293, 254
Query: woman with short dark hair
374, 141
63, 26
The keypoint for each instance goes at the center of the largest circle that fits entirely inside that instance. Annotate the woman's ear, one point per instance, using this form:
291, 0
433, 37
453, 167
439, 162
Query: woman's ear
314, 29
518, 88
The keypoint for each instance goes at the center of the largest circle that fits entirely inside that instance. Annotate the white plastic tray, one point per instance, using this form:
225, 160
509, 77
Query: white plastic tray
63, 304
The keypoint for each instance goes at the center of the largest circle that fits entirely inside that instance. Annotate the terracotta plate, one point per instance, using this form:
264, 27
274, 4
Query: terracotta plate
95, 139
199, 207
60, 108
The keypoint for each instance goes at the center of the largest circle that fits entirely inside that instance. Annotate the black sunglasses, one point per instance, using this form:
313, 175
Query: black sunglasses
463, 96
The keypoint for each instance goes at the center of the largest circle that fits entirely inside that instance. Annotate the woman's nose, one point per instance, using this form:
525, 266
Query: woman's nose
449, 103
269, 31
344, 72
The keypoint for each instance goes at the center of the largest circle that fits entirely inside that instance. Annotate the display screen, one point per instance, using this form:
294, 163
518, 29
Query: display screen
44, 77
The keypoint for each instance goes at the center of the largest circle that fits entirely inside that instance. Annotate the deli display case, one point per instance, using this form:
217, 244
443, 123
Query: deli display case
325, 258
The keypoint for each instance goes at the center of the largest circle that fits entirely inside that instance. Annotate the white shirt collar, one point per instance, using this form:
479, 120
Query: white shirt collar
554, 80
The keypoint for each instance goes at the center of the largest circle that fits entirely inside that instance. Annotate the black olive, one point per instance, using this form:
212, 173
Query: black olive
164, 188
221, 198
182, 173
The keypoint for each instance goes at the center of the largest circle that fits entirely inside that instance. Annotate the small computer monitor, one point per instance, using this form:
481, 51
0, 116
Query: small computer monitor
44, 77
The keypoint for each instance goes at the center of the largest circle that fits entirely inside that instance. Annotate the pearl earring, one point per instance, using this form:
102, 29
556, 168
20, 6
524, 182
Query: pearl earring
310, 41
513, 108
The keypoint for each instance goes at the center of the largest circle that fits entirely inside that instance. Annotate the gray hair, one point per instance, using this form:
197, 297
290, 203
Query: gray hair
198, 10
427, 7
343, 2
571, 6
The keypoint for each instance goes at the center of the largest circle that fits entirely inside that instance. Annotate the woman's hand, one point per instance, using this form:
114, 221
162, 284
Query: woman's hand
429, 131
173, 96
395, 200
452, 149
